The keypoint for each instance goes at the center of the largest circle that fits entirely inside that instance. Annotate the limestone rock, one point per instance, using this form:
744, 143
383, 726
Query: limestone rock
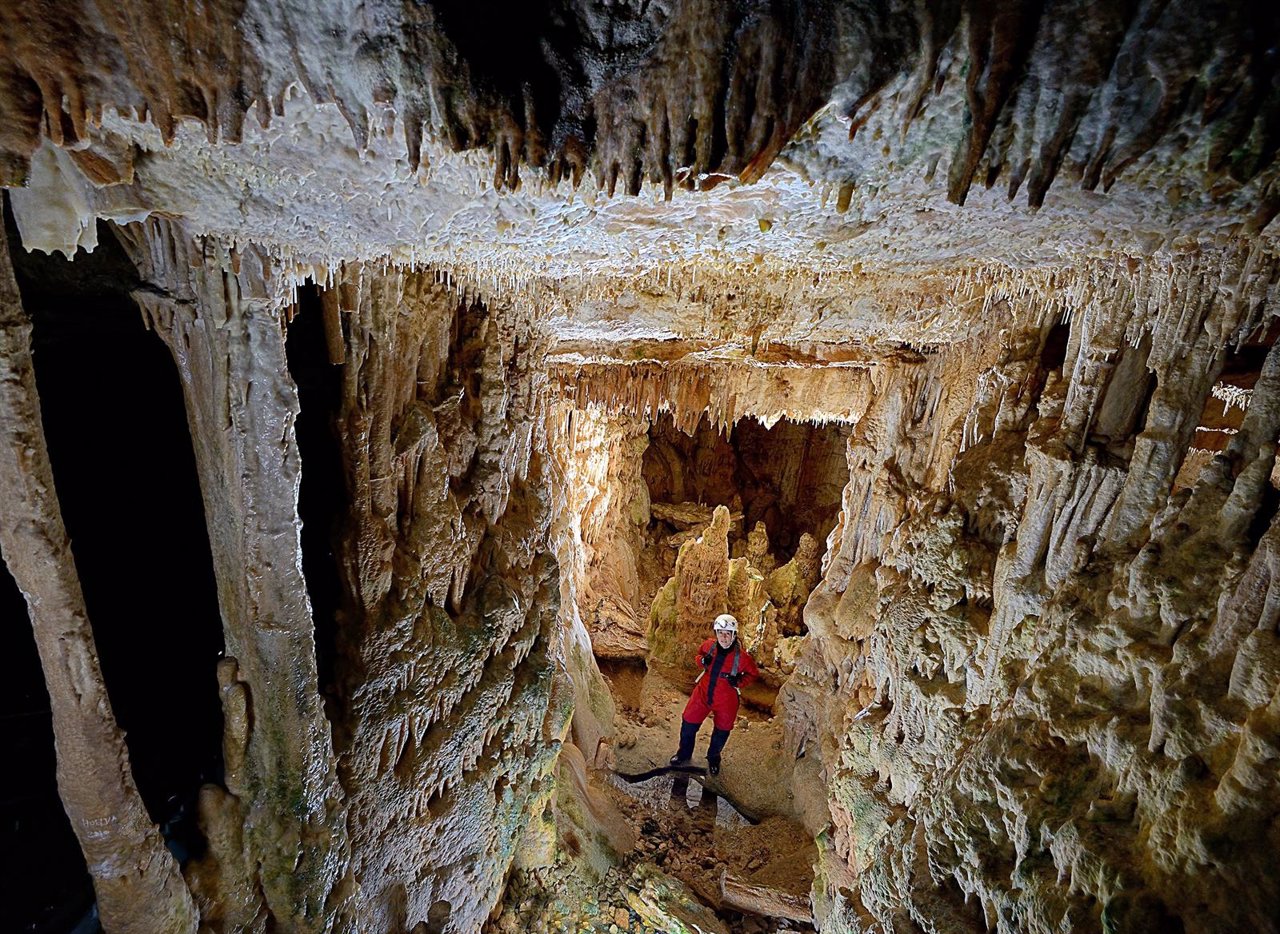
757, 551
665, 904
587, 823
789, 586
584, 267
684, 609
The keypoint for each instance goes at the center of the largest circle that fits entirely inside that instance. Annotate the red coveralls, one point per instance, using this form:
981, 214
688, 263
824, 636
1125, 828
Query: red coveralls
724, 698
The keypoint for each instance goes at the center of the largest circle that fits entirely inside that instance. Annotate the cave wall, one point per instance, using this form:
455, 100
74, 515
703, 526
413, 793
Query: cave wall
1054, 674
453, 697
403, 804
604, 505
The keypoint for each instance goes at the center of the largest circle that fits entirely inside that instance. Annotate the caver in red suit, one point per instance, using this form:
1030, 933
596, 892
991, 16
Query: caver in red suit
726, 669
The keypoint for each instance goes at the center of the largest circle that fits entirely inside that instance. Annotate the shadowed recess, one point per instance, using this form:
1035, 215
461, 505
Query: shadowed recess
121, 452
322, 496
47, 885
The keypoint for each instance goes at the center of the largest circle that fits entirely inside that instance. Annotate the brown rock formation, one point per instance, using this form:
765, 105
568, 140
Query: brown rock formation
449, 634
697, 593
1006, 647
600, 532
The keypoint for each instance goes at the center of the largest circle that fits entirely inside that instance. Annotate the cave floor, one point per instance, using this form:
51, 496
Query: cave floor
755, 773
684, 832
566, 897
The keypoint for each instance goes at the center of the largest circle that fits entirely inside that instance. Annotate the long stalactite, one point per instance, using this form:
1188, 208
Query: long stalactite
693, 92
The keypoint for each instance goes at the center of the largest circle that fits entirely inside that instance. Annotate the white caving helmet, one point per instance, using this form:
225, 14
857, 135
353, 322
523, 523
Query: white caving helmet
725, 622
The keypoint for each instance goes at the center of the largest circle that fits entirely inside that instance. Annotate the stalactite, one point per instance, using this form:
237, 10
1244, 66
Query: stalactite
724, 391
695, 92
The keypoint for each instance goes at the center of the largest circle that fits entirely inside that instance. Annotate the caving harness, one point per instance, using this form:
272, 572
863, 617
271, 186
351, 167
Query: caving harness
711, 684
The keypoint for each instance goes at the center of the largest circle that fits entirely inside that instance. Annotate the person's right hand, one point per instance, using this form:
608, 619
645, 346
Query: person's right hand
706, 659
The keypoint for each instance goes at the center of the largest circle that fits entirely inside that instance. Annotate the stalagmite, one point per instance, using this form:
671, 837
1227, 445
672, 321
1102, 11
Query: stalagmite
139, 887
697, 592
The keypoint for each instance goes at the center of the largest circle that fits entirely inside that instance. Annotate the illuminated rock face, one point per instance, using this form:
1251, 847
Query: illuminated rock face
1038, 720
1023, 254
1033, 681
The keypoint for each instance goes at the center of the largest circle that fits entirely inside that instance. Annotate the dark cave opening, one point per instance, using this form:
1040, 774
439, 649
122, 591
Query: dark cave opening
120, 447
47, 884
1054, 352
323, 495
789, 476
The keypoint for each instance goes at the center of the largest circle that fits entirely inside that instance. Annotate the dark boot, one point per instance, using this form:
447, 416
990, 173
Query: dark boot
688, 736
718, 738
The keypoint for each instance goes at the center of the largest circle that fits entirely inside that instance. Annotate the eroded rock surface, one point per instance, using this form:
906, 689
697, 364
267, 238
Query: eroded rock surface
1022, 255
448, 635
1017, 622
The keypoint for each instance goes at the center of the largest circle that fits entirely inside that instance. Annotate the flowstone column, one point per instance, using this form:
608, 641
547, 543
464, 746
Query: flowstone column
136, 879
453, 696
280, 826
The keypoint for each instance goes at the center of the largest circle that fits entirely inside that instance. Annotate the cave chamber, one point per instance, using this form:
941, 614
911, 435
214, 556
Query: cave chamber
391, 395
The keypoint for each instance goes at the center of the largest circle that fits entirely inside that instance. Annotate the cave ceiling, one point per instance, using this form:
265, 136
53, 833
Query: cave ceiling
674, 177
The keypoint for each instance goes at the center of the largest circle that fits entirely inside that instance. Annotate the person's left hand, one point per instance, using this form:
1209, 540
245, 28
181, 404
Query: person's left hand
733, 679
